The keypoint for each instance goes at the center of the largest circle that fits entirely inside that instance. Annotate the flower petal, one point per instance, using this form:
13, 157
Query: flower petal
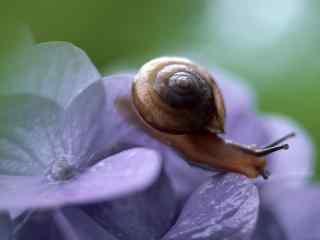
5, 226
297, 163
247, 128
242, 123
117, 121
38, 225
57, 70
146, 214
21, 191
237, 95
117, 176
225, 207
28, 129
297, 209
83, 125
61, 224
35, 131
82, 226
268, 226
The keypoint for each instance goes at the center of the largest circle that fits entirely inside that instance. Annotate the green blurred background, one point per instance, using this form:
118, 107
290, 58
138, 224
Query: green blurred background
274, 45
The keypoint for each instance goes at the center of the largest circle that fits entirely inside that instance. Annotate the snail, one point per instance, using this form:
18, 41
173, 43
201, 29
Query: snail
181, 103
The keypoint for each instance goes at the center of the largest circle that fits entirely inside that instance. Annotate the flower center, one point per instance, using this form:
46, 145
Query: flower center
61, 170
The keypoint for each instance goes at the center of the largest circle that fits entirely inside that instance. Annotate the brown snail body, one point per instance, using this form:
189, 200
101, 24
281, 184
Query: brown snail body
183, 106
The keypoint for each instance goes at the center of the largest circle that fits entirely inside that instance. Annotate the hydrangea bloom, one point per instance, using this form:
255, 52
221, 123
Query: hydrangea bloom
76, 164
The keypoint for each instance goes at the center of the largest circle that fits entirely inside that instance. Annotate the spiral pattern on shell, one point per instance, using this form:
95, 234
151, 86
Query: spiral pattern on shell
176, 96
183, 88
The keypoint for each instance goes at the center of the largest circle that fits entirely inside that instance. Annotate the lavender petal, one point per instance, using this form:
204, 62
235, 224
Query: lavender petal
117, 176
296, 209
248, 129
62, 224
224, 207
297, 163
146, 214
82, 226
56, 70
5, 226
37, 225
238, 96
268, 227
82, 127
242, 124
27, 134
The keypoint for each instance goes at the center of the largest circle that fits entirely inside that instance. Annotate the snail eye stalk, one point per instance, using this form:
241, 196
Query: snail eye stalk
281, 140
264, 151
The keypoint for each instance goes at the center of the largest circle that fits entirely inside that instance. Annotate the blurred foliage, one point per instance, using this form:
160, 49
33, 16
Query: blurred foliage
110, 30
273, 44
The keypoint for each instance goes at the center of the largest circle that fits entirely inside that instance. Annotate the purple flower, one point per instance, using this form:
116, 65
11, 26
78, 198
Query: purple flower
76, 164
52, 130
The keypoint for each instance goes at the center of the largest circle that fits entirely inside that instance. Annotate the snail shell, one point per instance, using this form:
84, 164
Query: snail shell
176, 96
